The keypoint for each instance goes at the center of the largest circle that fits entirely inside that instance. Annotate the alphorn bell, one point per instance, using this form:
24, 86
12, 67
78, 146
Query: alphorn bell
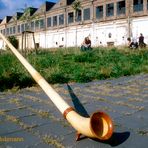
99, 125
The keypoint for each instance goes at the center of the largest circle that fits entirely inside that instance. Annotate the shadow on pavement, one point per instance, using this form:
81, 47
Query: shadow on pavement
115, 140
77, 104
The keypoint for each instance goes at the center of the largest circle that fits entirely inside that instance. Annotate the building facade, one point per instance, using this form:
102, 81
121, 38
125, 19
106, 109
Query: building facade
59, 25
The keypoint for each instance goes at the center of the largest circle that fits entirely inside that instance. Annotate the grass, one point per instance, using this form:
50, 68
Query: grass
72, 65
52, 141
143, 132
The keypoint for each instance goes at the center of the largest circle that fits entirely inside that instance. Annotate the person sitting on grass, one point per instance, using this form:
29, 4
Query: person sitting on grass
86, 45
132, 44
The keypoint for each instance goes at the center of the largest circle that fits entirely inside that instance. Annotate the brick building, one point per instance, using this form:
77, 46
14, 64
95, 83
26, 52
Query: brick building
57, 24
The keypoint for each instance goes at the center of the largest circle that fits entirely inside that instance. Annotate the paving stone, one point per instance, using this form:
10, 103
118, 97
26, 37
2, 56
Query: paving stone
28, 139
41, 145
123, 110
70, 142
9, 96
2, 145
109, 108
124, 137
43, 107
8, 106
3, 101
129, 118
7, 127
143, 115
135, 141
140, 104
131, 122
34, 120
20, 113
40, 94
28, 102
55, 129
2, 118
57, 114
113, 115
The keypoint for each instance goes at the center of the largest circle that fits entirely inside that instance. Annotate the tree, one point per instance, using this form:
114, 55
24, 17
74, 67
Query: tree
13, 41
76, 5
27, 18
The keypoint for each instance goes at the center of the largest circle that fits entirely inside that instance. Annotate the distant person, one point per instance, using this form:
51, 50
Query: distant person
129, 41
86, 44
132, 44
141, 41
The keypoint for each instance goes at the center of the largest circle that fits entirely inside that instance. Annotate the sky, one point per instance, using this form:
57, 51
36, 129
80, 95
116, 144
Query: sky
10, 7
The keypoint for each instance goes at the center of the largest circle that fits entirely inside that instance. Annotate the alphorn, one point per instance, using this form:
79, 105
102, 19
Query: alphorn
99, 125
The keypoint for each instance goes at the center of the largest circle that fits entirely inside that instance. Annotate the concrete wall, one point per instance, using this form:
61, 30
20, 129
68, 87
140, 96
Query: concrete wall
101, 34
140, 26
2, 44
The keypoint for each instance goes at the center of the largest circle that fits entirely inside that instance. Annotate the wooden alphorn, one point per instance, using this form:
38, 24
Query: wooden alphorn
99, 125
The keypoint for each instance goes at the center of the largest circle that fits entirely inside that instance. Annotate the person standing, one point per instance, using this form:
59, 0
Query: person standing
141, 41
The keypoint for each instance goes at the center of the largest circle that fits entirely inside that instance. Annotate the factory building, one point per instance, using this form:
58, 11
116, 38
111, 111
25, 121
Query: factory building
106, 22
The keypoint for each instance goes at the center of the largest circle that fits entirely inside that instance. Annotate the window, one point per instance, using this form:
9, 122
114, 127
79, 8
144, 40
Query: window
121, 7
110, 9
32, 26
86, 14
99, 12
61, 19
26, 26
22, 28
49, 22
37, 24
18, 29
7, 31
10, 30
13, 29
137, 5
109, 35
70, 17
42, 24
4, 31
55, 21
78, 16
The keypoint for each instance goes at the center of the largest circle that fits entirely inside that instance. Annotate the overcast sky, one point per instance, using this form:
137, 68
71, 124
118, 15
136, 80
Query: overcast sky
9, 7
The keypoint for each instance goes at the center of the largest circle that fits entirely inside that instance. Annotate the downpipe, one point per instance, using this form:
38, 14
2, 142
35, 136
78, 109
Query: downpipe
99, 125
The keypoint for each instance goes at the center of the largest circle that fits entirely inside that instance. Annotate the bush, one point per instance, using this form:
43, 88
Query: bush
13, 41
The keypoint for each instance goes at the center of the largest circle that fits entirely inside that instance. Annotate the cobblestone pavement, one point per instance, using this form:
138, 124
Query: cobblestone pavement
28, 119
